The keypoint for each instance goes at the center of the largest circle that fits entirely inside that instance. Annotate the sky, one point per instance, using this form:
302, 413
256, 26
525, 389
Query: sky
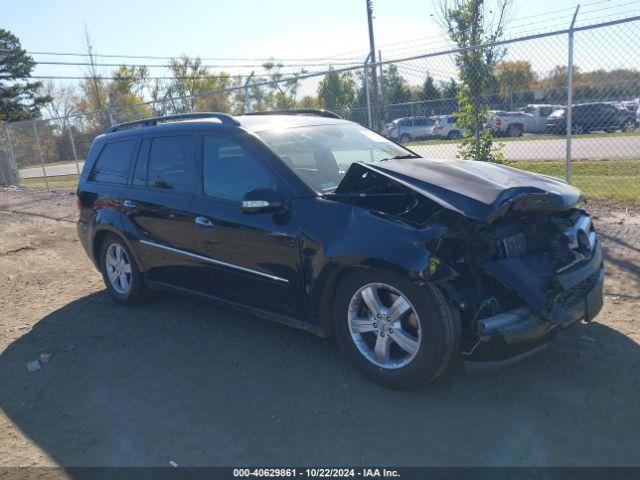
287, 29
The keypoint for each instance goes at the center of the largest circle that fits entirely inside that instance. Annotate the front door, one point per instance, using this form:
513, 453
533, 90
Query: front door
252, 259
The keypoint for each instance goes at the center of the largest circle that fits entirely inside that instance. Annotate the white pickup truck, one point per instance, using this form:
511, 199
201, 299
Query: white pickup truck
532, 119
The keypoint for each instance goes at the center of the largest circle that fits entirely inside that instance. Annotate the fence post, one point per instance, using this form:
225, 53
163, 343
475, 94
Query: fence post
366, 90
567, 161
13, 165
4, 177
73, 149
44, 170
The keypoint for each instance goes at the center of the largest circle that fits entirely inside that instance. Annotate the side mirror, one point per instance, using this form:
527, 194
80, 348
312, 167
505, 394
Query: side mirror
262, 200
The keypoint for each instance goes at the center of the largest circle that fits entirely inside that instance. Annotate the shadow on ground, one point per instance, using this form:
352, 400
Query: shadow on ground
185, 381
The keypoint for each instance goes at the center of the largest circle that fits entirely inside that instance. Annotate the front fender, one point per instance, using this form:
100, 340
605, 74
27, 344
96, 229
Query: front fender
338, 237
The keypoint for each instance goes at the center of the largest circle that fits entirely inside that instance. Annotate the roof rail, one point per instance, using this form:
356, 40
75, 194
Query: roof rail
147, 122
302, 111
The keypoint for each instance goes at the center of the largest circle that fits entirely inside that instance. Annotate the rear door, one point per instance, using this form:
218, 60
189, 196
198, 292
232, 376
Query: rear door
251, 259
157, 200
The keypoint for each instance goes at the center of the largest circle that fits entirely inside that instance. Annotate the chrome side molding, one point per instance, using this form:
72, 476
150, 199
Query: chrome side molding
214, 261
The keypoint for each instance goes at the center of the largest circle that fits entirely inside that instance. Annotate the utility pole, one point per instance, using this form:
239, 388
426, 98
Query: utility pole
372, 57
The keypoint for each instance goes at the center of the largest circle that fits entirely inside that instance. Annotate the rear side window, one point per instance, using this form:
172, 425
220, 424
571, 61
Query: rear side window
171, 163
113, 163
230, 170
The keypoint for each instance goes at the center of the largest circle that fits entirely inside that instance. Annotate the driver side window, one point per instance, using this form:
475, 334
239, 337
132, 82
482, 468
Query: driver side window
230, 170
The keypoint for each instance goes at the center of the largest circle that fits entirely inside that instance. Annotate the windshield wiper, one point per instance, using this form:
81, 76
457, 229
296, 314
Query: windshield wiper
401, 157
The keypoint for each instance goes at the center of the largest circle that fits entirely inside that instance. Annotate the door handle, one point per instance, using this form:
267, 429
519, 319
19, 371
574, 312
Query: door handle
129, 204
204, 222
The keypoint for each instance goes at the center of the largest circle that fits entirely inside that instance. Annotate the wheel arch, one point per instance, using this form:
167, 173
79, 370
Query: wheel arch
331, 278
109, 222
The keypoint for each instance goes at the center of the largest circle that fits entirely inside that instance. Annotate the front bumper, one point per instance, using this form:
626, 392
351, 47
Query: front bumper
518, 333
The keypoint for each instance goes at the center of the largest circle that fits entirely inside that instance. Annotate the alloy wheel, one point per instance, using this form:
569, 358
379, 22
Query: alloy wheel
384, 325
118, 267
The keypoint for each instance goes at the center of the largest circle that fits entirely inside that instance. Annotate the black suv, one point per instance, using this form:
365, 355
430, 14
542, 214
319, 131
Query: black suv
586, 117
323, 224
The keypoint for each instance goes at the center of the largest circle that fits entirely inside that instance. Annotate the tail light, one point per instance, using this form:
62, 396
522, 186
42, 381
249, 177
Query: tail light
78, 204
439, 127
498, 121
391, 127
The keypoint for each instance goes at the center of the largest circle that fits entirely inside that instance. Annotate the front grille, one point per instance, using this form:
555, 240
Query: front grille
577, 293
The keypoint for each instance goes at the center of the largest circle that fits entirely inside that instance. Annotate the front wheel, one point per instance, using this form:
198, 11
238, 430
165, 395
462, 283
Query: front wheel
397, 333
120, 272
454, 135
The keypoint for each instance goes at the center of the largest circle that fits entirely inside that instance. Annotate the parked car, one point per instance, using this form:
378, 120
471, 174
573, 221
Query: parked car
322, 224
446, 128
587, 117
631, 105
532, 119
409, 128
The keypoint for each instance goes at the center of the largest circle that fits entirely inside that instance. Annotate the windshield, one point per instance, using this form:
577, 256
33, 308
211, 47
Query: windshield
321, 154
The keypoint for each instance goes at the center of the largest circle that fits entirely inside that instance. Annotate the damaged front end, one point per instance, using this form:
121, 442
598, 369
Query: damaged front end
536, 274
509, 248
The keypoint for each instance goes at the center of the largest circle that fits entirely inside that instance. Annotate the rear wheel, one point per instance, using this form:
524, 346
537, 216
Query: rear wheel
629, 126
514, 131
578, 130
120, 272
405, 138
397, 333
454, 135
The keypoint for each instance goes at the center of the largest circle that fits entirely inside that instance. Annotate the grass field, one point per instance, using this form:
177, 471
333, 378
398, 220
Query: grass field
599, 179
531, 137
49, 164
60, 181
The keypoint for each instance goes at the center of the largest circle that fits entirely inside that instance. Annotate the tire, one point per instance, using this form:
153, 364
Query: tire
514, 131
629, 126
405, 138
578, 130
437, 338
115, 248
454, 135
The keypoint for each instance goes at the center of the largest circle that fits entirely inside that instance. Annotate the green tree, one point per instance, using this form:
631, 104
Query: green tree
429, 90
470, 24
394, 86
280, 90
449, 89
19, 98
336, 91
196, 88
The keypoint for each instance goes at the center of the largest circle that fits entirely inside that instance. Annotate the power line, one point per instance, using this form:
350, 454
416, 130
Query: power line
155, 57
199, 77
157, 65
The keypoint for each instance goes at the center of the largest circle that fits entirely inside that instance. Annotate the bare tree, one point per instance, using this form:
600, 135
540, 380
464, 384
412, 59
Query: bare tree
62, 104
94, 81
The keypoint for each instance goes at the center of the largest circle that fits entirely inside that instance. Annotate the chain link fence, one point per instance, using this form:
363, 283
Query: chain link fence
529, 109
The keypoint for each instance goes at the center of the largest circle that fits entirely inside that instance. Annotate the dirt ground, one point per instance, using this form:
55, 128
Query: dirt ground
184, 381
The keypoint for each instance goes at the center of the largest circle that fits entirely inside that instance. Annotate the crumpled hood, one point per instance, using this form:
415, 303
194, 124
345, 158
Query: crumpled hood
482, 191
